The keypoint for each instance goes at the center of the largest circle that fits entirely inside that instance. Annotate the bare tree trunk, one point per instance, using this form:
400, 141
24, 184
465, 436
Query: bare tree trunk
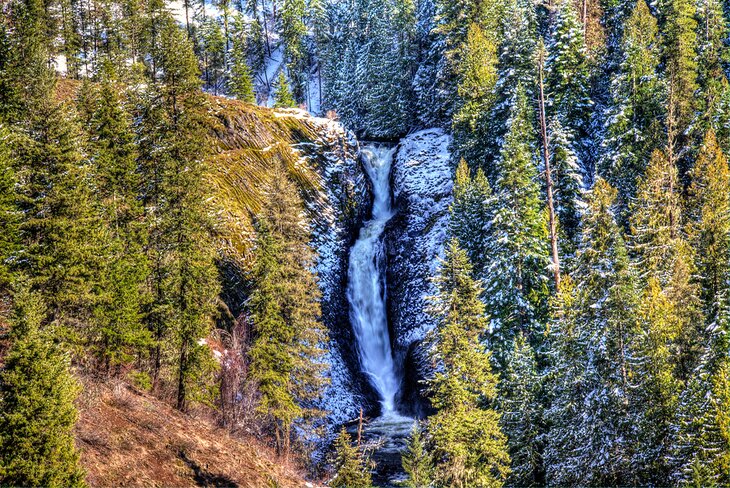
359, 430
548, 175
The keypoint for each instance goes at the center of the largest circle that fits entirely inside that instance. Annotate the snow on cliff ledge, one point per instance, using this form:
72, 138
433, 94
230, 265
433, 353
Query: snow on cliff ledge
422, 190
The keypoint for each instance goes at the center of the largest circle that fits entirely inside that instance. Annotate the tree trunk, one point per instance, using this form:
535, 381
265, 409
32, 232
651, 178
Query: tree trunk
548, 175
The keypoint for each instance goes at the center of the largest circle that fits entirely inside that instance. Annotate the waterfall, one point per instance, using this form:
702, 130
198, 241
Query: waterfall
366, 284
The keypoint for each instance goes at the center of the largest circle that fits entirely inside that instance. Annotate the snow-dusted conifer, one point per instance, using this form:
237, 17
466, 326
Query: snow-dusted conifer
633, 124
468, 446
516, 281
713, 56
477, 76
663, 253
568, 184
516, 67
471, 214
522, 414
567, 80
709, 228
593, 321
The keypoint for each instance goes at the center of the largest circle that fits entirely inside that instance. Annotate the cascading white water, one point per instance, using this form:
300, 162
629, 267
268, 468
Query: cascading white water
366, 286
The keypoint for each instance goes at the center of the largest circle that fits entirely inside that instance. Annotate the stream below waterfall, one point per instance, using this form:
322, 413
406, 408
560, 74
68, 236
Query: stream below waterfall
366, 293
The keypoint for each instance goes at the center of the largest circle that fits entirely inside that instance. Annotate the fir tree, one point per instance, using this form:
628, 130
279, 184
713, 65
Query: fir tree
9, 216
283, 97
286, 353
184, 276
416, 460
387, 100
701, 442
457, 27
568, 181
516, 71
712, 56
518, 243
118, 329
680, 59
709, 227
351, 470
471, 214
593, 323
656, 387
214, 55
670, 317
633, 127
522, 420
293, 31
58, 229
240, 84
663, 253
37, 412
468, 447
567, 80
477, 79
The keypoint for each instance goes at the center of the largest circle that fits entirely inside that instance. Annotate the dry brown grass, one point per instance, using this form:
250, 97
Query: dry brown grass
129, 438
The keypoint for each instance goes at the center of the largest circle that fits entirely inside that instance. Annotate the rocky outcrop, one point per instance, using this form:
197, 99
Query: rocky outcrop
415, 237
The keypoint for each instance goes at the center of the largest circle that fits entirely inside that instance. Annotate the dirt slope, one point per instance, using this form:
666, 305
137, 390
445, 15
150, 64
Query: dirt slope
128, 438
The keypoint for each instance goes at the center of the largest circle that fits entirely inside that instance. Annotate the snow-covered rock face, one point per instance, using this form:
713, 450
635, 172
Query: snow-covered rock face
336, 215
422, 192
421, 181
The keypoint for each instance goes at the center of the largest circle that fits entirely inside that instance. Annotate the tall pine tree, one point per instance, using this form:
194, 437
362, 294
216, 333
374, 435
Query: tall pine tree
518, 245
469, 448
37, 411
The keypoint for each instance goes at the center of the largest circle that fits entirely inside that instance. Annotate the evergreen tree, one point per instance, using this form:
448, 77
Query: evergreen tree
350, 464
680, 60
477, 79
118, 330
184, 276
240, 84
568, 185
458, 25
387, 60
429, 83
634, 119
522, 414
567, 80
656, 387
471, 215
670, 318
516, 71
468, 447
256, 47
663, 253
214, 55
293, 32
713, 57
286, 352
59, 230
701, 442
518, 244
416, 459
27, 34
37, 412
709, 228
588, 442
9, 216
283, 97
